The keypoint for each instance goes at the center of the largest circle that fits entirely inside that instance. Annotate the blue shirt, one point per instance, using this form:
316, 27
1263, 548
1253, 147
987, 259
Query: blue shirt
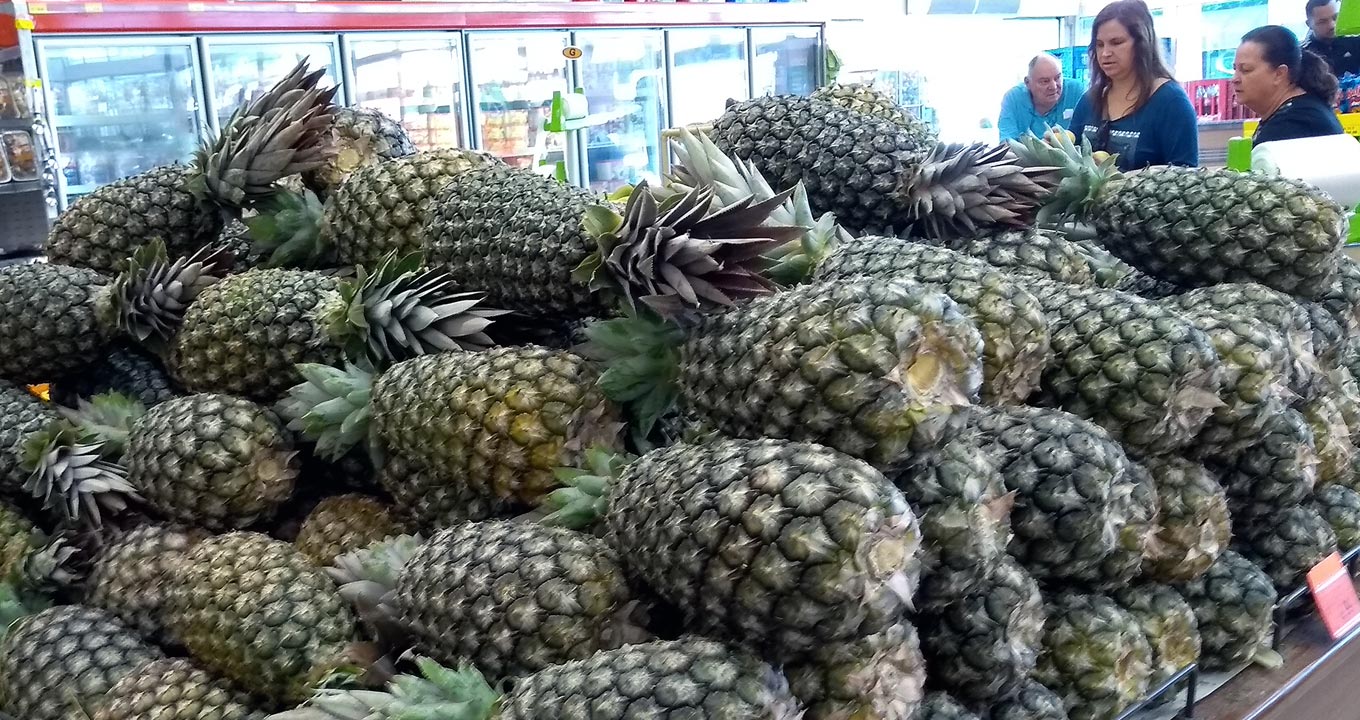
1018, 115
1165, 131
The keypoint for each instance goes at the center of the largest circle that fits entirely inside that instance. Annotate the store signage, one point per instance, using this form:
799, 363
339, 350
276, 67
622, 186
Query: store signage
571, 52
1334, 594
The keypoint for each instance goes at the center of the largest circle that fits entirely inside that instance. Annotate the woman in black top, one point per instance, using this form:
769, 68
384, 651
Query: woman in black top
1292, 89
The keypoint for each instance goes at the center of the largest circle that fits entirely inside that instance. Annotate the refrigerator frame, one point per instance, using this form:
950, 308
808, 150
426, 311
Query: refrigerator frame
582, 140
206, 43
350, 85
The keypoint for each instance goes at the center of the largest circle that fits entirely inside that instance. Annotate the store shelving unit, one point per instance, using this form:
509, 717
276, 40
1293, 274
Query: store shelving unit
26, 205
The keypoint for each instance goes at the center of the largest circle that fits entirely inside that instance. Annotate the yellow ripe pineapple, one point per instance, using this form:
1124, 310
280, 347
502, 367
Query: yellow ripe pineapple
345, 523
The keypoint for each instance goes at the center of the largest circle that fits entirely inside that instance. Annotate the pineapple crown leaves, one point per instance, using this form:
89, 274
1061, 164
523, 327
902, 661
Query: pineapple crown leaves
107, 417
367, 579
685, 256
17, 604
642, 365
148, 300
583, 498
284, 132
959, 190
400, 310
1083, 178
69, 476
438, 693
330, 406
288, 226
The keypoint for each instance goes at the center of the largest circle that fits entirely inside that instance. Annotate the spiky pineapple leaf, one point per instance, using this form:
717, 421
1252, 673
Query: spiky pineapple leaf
438, 693
330, 407
642, 365
69, 476
107, 417
288, 226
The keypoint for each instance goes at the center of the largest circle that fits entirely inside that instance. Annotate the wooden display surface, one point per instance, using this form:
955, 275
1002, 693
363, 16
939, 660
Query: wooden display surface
1320, 680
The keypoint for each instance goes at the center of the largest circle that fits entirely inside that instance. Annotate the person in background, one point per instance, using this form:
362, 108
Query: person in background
1134, 109
1042, 101
1289, 87
1341, 53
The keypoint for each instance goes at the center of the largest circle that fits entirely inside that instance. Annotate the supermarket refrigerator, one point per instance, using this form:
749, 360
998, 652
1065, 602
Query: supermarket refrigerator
241, 68
623, 75
414, 78
512, 78
708, 67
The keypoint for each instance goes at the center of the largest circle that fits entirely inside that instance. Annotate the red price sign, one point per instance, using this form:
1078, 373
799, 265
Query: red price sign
1335, 596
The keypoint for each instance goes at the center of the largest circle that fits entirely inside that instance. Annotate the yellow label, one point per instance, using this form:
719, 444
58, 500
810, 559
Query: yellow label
35, 83
23, 24
572, 53
1350, 122
94, 7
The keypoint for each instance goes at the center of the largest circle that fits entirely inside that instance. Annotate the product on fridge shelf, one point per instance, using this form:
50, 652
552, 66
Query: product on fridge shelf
8, 108
21, 155
5, 174
20, 93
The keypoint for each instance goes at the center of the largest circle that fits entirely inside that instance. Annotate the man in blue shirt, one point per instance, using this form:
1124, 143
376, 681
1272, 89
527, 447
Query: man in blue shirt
1043, 100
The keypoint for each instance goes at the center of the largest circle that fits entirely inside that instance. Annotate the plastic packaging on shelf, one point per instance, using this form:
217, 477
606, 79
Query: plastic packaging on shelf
19, 93
8, 107
21, 154
5, 175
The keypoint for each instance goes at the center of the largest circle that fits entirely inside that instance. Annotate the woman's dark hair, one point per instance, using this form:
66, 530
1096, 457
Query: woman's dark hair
1307, 70
1148, 65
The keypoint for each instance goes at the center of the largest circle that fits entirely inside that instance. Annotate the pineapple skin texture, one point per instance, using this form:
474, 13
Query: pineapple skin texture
102, 230
516, 236
779, 546
130, 574
19, 537
79, 650
125, 370
873, 369
361, 137
1234, 604
1034, 253
173, 689
1014, 329
49, 319
1095, 656
390, 206
1194, 526
879, 676
429, 501
867, 100
686, 678
245, 335
22, 415
1168, 623
255, 611
216, 461
512, 597
500, 421
343, 524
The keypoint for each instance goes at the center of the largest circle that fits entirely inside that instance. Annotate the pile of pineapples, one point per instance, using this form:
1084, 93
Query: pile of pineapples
836, 422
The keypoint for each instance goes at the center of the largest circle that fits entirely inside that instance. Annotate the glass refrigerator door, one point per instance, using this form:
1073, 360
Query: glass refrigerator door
708, 67
119, 106
416, 80
788, 60
242, 69
624, 77
514, 76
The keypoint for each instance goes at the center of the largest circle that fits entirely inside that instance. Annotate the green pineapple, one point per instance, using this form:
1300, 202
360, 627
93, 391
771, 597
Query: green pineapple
1032, 252
1331, 439
125, 370
1279, 470
688, 678
941, 706
281, 133
844, 566
1340, 506
173, 689
1095, 656
879, 677
1329, 336
1033, 701
129, 576
872, 369
427, 499
359, 137
1137, 503
1132, 366
872, 172
983, 646
869, 100
1234, 604
1193, 528
1195, 226
1286, 542
1342, 299
1168, 622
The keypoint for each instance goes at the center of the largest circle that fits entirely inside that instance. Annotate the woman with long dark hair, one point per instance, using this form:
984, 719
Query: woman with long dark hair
1134, 109
1292, 89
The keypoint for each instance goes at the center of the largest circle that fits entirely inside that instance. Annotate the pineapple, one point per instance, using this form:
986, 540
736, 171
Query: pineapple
1137, 503
430, 500
1197, 227
567, 256
279, 134
1342, 299
1340, 506
821, 547
498, 422
173, 689
689, 679
879, 677
1069, 480
1014, 330
19, 540
130, 573
1033, 701
1168, 622
960, 497
870, 368
57, 663
1032, 252
1133, 367
984, 645
1234, 604
872, 172
869, 100
244, 335
360, 137
941, 706
1286, 543
123, 369
22, 417
1279, 470
237, 239
254, 610
510, 597
1095, 656
1329, 335
1331, 440
345, 523
1193, 528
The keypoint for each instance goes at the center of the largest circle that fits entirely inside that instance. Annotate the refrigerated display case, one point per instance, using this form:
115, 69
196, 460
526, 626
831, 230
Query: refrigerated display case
708, 67
241, 68
415, 79
623, 74
27, 168
514, 76
787, 60
120, 107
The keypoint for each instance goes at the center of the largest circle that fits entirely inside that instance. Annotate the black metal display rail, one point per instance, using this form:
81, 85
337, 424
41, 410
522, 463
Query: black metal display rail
1162, 694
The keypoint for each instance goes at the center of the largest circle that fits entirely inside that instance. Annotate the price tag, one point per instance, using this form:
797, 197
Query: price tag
572, 53
37, 8
94, 7
1335, 596
24, 24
